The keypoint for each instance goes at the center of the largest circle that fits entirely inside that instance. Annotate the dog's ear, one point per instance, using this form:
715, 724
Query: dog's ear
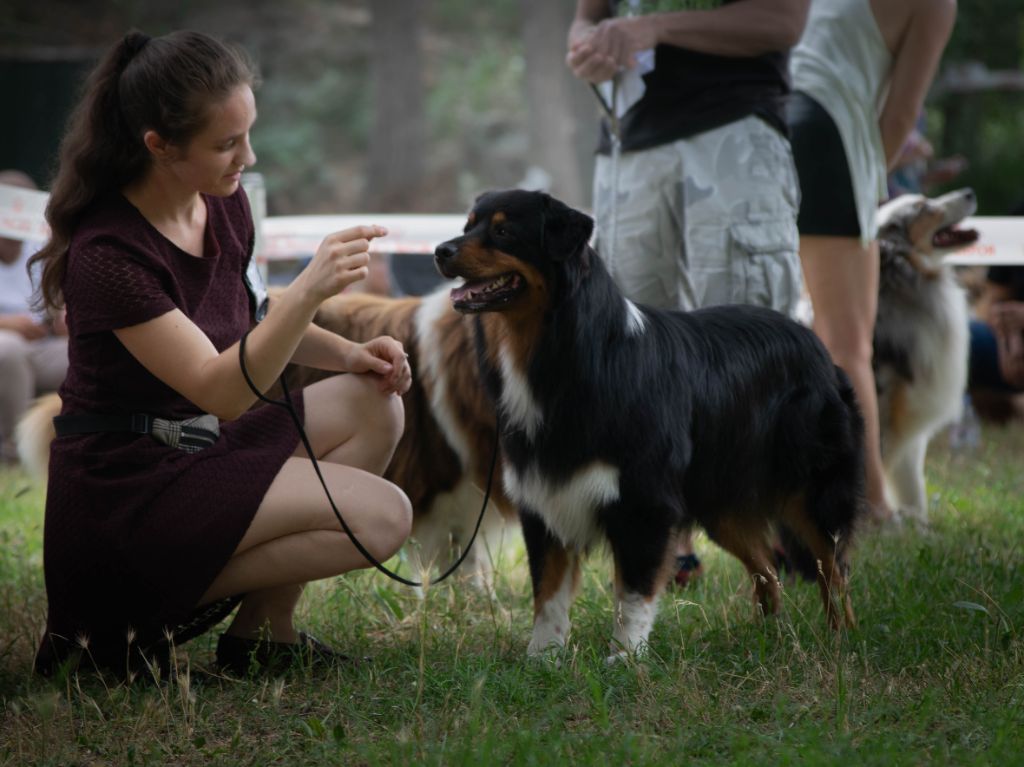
565, 230
482, 196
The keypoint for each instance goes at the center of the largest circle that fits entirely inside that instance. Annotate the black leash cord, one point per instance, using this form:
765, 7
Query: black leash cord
287, 404
609, 109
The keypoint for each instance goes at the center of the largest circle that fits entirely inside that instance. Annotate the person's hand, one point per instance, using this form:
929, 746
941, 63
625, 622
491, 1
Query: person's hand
1008, 324
610, 46
944, 170
589, 64
25, 326
1007, 316
384, 357
916, 148
342, 259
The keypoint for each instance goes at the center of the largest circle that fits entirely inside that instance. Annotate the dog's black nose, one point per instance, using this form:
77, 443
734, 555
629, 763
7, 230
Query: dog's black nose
445, 251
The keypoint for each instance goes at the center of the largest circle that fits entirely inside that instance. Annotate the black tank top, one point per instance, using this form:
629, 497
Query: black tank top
689, 92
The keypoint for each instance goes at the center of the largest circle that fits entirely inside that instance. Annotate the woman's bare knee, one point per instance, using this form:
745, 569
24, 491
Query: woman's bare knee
276, 553
350, 421
391, 525
295, 502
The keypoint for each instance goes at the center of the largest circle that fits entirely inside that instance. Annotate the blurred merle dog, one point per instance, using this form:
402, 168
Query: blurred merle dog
629, 424
921, 335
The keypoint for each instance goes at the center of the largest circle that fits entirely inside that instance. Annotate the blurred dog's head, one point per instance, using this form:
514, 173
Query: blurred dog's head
922, 230
517, 251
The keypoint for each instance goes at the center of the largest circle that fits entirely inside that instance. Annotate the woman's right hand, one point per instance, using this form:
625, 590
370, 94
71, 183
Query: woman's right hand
342, 259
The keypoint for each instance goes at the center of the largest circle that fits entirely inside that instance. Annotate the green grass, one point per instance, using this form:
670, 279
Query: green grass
934, 674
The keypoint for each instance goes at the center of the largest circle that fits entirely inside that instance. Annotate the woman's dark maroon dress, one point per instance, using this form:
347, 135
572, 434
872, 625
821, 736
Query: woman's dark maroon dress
135, 531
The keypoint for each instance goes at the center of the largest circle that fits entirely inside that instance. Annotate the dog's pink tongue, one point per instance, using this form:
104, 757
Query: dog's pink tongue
461, 293
953, 237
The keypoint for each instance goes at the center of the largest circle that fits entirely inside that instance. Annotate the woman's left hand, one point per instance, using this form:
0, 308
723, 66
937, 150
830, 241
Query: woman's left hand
1008, 324
384, 357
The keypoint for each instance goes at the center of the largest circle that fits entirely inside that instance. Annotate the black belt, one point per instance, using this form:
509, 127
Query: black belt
190, 435
89, 423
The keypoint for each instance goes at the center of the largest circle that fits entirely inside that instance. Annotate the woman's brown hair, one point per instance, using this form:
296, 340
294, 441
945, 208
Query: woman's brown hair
165, 84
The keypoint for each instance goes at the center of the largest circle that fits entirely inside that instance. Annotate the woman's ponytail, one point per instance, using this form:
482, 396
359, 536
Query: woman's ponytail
165, 84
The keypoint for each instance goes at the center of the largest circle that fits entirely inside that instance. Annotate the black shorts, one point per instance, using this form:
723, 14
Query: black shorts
827, 206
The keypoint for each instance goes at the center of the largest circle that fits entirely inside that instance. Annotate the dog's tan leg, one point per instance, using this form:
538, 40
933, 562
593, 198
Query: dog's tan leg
553, 599
555, 572
831, 567
750, 545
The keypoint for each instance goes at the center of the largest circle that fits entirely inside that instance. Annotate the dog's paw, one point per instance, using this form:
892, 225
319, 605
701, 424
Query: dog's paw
552, 654
545, 647
621, 654
912, 517
617, 657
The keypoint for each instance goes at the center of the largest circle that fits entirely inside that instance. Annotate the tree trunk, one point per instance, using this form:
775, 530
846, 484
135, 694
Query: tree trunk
562, 116
395, 174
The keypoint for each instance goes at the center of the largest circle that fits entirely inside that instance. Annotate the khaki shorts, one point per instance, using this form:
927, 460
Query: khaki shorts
706, 220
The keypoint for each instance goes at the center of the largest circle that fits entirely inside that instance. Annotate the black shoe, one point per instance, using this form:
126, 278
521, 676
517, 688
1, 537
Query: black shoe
245, 657
688, 569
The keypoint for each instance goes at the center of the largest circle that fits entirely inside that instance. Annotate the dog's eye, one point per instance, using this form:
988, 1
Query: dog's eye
500, 230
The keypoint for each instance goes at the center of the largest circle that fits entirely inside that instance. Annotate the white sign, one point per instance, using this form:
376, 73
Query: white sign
22, 214
287, 237
1000, 239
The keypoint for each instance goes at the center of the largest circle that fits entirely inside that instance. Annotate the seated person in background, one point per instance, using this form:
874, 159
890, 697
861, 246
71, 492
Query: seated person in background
996, 373
33, 346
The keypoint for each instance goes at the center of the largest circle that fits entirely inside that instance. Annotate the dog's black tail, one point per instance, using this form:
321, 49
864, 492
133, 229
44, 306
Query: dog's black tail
834, 488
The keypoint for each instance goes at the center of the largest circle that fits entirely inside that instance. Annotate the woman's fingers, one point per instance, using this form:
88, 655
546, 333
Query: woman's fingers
364, 232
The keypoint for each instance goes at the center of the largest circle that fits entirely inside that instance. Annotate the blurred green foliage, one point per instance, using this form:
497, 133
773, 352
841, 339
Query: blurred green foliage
316, 104
986, 127
990, 31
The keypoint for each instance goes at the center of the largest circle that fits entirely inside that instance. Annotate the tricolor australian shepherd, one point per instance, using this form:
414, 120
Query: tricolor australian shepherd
628, 424
921, 335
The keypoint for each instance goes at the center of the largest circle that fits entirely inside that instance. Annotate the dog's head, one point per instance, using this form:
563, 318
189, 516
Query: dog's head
518, 250
923, 230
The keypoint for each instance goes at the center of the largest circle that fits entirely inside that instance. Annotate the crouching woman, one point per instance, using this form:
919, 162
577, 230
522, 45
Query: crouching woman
170, 502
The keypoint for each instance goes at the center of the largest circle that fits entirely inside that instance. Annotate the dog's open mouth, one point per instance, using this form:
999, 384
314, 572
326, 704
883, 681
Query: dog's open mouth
482, 295
952, 237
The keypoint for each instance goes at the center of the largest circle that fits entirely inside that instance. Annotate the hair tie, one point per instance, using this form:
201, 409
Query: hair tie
133, 43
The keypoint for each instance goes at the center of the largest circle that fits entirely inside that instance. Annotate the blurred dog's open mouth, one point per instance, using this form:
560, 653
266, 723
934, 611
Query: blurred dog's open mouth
481, 295
953, 237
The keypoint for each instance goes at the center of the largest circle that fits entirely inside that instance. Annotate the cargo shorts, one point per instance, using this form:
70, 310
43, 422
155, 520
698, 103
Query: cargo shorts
706, 220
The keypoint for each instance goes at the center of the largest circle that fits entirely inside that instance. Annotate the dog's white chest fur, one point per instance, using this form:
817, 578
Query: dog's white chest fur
518, 406
569, 507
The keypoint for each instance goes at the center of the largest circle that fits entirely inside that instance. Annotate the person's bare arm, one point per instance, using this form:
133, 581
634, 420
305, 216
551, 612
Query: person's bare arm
176, 351
24, 325
586, 61
589, 13
382, 356
745, 28
914, 67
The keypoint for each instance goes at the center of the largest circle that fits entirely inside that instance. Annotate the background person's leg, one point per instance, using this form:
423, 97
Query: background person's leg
842, 278
49, 357
16, 388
